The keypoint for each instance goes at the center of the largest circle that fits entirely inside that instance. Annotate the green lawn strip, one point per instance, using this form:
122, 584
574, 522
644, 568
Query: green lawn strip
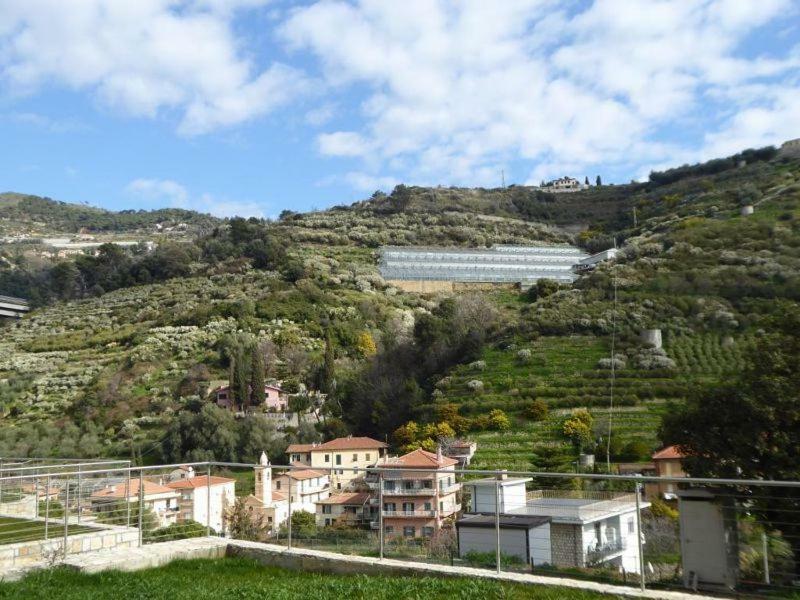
22, 530
244, 579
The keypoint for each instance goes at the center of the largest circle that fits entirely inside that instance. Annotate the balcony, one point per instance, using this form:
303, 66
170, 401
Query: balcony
414, 491
450, 489
600, 552
411, 514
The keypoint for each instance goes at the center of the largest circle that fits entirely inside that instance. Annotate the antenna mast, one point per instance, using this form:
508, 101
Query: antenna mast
613, 367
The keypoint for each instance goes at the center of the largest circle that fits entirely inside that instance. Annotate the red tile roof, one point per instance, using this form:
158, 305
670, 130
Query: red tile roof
300, 447
118, 490
357, 498
419, 459
351, 443
197, 482
300, 474
669, 452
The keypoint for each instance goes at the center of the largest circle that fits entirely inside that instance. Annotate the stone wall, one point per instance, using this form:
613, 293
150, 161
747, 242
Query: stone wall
23, 553
565, 545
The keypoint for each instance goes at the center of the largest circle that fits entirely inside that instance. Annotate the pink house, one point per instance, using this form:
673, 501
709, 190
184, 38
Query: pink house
276, 400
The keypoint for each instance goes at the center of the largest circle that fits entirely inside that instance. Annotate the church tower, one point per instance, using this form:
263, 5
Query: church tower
264, 480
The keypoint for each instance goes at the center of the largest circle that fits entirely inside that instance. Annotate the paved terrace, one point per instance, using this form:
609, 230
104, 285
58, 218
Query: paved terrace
154, 555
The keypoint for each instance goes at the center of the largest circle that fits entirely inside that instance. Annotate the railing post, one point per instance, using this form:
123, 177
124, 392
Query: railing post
66, 515
289, 521
380, 512
36, 496
128, 498
208, 500
141, 506
46, 506
765, 551
639, 537
79, 494
497, 519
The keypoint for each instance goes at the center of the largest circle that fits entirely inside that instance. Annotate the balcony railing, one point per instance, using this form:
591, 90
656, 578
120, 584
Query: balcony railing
600, 552
410, 513
416, 491
449, 489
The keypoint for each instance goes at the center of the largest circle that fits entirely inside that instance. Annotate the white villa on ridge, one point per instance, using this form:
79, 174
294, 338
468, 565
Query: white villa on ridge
585, 528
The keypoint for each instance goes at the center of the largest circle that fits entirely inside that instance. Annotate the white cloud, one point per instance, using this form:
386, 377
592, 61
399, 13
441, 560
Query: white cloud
455, 91
158, 193
159, 190
143, 58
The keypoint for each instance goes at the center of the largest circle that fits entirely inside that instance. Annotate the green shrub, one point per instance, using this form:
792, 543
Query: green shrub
537, 410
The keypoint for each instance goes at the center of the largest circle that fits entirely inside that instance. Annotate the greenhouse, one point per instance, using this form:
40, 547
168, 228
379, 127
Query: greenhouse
500, 264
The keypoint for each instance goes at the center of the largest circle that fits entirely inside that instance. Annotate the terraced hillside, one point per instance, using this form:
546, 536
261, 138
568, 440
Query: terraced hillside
117, 370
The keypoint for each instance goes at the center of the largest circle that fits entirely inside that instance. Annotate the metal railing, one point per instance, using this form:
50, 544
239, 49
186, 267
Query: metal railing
591, 525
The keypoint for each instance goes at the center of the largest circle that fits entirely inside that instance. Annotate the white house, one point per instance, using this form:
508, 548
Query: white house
114, 498
305, 487
586, 528
195, 497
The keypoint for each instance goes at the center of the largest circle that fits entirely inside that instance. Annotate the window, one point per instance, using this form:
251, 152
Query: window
326, 509
408, 506
355, 457
389, 506
338, 459
441, 505
388, 529
327, 522
631, 527
388, 486
409, 531
597, 533
277, 484
327, 458
366, 456
269, 520
428, 506
427, 532
338, 486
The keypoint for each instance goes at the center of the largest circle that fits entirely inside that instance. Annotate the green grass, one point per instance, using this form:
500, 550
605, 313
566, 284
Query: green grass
243, 579
22, 530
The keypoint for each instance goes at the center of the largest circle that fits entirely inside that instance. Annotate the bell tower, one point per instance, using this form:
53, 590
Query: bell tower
264, 480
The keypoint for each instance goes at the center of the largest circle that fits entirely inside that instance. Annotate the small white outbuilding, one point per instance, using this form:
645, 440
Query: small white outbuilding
526, 537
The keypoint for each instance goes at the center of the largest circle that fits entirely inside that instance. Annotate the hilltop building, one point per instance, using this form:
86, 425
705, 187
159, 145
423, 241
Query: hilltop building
275, 399
304, 487
564, 184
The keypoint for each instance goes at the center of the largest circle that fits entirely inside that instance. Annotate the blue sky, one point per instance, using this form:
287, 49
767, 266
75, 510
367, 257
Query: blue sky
255, 106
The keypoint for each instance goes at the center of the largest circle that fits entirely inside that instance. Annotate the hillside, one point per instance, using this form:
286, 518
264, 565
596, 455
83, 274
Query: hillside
33, 215
113, 371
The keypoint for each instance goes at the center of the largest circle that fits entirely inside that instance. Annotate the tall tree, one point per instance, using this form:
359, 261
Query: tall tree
257, 376
750, 427
598, 181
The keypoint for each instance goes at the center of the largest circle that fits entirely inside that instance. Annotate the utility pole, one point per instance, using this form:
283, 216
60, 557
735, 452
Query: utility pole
503, 177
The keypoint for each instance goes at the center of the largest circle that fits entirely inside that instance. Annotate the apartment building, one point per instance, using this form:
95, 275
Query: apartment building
417, 504
338, 456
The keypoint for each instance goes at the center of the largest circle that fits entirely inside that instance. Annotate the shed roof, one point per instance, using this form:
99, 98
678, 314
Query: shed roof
506, 521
